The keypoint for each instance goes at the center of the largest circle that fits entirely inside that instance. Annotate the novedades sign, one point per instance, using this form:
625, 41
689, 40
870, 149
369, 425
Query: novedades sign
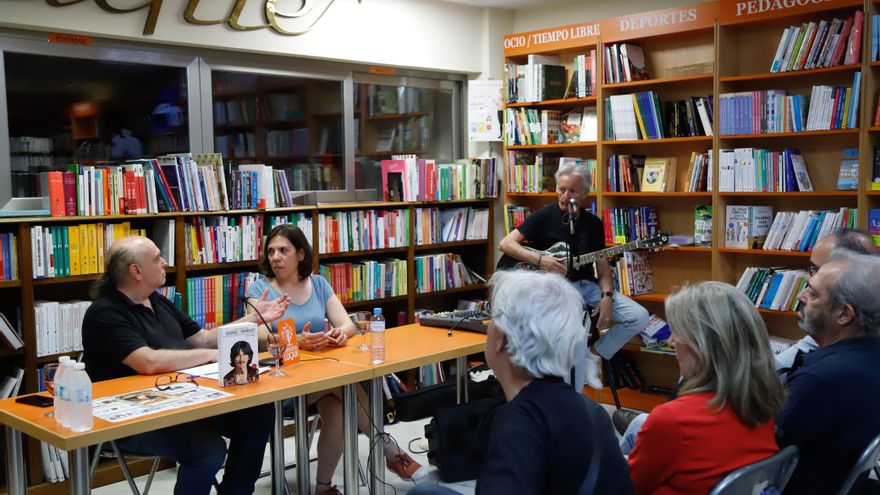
271, 13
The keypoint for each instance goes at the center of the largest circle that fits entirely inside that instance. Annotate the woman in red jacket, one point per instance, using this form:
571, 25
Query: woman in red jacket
723, 416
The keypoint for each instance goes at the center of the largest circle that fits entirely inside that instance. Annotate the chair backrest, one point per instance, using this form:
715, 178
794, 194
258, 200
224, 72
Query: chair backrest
773, 472
865, 463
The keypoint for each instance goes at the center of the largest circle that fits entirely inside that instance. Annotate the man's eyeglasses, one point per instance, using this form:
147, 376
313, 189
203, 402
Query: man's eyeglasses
812, 269
164, 382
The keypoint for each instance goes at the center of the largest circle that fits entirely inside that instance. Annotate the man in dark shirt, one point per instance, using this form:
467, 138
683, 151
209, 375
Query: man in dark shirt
833, 410
131, 329
547, 438
548, 226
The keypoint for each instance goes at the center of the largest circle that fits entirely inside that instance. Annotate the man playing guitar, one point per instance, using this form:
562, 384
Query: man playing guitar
550, 225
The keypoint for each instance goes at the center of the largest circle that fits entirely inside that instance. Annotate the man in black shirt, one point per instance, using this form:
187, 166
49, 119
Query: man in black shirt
550, 225
131, 329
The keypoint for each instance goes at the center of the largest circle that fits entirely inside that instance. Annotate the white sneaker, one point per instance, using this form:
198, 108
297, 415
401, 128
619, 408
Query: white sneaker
591, 371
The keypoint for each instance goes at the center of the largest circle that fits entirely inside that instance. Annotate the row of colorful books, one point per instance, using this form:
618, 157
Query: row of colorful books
624, 62
754, 169
627, 224
543, 78
699, 172
57, 326
435, 225
531, 172
638, 173
8, 256
223, 239
360, 230
412, 133
637, 116
214, 300
689, 117
530, 126
800, 231
408, 178
632, 274
774, 111
442, 271
366, 280
824, 44
67, 250
298, 219
775, 289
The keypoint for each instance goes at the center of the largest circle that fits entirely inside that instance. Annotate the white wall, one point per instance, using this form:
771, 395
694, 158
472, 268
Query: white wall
560, 13
425, 34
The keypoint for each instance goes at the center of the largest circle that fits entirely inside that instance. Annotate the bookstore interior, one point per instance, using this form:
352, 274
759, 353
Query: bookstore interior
740, 135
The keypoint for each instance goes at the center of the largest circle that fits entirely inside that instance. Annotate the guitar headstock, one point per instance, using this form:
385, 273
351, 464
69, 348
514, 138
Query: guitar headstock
654, 241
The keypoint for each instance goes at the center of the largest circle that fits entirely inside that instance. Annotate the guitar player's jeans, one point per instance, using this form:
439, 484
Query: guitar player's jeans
630, 317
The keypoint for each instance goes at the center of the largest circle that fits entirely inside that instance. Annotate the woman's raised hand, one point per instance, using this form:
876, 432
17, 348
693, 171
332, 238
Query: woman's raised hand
274, 309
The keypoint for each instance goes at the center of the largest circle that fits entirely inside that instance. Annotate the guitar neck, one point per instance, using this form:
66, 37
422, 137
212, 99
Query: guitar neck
605, 253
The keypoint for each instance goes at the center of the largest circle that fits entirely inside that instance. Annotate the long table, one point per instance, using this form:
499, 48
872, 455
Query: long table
406, 347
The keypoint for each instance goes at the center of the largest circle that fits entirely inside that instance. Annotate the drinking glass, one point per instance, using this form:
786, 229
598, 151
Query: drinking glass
362, 321
276, 349
49, 371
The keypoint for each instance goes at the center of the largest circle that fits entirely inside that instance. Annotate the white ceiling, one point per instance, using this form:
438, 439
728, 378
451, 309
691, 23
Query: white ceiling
504, 4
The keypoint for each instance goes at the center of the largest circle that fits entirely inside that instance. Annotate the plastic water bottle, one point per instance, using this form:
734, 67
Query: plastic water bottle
79, 409
61, 376
377, 337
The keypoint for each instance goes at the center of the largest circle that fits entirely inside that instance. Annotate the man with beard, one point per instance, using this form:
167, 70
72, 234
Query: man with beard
833, 410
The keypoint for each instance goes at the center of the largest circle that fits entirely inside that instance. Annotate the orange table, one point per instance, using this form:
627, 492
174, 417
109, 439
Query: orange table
301, 378
406, 347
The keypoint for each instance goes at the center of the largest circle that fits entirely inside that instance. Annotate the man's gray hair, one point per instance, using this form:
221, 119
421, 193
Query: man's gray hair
858, 284
574, 167
542, 316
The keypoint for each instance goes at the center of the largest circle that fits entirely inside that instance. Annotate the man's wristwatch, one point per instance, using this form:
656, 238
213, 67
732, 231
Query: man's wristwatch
538, 264
608, 293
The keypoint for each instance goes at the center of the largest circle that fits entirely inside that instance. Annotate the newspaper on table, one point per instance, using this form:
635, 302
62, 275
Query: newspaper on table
139, 403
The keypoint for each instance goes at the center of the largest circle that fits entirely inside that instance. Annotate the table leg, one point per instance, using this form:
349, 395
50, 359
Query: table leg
377, 417
349, 441
303, 476
15, 480
277, 451
79, 472
461, 375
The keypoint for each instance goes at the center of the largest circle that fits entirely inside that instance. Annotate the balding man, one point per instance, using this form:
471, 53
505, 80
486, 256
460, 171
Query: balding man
856, 241
833, 410
130, 329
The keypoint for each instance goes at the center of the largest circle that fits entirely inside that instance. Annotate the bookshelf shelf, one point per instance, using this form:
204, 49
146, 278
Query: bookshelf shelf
689, 139
763, 252
377, 154
443, 245
233, 265
688, 249
633, 399
779, 313
642, 348
454, 290
372, 302
698, 78
395, 116
674, 194
872, 193
770, 76
874, 129
803, 134
363, 253
570, 102
9, 283
51, 358
653, 297
797, 194
584, 144
363, 205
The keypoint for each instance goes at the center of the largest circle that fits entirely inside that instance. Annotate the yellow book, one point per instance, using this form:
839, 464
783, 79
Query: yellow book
218, 299
659, 175
639, 117
101, 247
73, 242
84, 249
119, 231
93, 247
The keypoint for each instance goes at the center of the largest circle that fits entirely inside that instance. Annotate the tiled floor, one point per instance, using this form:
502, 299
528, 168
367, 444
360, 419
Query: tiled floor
403, 432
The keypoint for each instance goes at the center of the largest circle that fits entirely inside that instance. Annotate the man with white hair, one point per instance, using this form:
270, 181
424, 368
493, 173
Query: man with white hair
547, 438
833, 409
550, 225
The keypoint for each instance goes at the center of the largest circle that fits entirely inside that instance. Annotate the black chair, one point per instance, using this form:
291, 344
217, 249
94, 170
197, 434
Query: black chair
773, 472
589, 325
117, 453
866, 462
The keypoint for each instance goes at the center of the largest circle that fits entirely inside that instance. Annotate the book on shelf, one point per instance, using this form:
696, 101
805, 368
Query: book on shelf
689, 117
238, 346
66, 250
57, 326
11, 384
627, 224
625, 173
874, 225
746, 227
848, 173
407, 178
773, 288
758, 170
589, 125
366, 280
632, 274
624, 62
659, 174
633, 116
823, 44
214, 300
875, 38
360, 230
703, 225
10, 334
656, 332
222, 239
801, 230
442, 271
514, 216
570, 126
699, 173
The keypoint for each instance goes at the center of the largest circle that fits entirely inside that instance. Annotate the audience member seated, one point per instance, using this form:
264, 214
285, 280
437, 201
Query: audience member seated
723, 416
544, 439
131, 329
833, 410
286, 266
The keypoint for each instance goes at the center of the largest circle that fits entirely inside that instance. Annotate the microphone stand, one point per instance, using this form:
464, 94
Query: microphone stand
572, 240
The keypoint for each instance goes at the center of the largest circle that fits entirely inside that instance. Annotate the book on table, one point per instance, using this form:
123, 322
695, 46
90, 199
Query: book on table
238, 363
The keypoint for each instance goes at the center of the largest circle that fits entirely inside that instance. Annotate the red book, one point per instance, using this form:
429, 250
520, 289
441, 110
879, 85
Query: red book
607, 224
55, 190
841, 42
877, 113
69, 183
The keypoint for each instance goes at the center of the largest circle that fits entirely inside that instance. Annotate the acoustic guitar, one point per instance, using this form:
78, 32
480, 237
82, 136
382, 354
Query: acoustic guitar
559, 252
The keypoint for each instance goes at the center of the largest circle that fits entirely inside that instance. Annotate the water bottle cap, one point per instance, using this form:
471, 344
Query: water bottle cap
63, 359
79, 366
377, 311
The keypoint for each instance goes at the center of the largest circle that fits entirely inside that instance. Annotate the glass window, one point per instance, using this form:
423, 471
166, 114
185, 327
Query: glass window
291, 123
69, 110
400, 120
